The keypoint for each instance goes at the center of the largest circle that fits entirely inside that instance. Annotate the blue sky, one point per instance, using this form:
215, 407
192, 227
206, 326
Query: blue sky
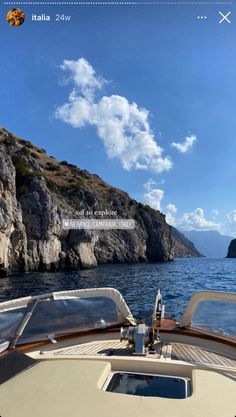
148, 77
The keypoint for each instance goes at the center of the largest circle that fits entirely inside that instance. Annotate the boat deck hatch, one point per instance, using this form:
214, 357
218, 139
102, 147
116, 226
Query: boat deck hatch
148, 385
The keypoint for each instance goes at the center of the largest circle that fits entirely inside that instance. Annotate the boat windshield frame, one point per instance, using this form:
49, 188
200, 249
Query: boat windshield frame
31, 302
195, 300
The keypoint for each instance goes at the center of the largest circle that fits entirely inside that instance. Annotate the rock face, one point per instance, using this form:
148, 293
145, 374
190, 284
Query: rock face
232, 249
183, 247
37, 192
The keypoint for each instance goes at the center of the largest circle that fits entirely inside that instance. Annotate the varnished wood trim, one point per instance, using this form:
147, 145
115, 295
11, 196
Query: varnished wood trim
33, 345
192, 333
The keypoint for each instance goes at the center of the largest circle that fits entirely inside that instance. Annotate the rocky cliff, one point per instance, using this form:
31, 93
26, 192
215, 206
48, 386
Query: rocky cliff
232, 249
37, 192
183, 247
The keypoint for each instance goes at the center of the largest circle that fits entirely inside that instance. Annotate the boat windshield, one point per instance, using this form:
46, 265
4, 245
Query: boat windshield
56, 314
212, 312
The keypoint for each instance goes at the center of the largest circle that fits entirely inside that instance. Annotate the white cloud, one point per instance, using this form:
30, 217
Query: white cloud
215, 212
153, 198
170, 219
171, 208
196, 221
122, 126
170, 211
231, 222
154, 195
83, 76
150, 184
186, 145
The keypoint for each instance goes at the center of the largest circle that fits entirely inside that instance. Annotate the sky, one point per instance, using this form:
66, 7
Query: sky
143, 96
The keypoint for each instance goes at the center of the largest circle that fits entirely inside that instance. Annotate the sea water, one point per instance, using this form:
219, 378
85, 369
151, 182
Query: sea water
138, 283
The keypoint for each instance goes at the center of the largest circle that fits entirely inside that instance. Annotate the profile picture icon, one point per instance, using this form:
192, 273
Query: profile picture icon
15, 17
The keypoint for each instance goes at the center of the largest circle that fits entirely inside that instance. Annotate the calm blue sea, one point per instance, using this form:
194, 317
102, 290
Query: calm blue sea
138, 283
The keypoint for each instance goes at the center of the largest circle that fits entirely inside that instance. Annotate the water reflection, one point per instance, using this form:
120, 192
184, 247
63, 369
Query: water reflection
148, 385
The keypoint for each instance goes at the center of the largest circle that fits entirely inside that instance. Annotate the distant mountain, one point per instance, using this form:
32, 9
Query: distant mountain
183, 247
210, 243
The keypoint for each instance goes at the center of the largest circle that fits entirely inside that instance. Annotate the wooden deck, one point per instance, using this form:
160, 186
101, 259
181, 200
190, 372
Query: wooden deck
111, 348
176, 351
197, 355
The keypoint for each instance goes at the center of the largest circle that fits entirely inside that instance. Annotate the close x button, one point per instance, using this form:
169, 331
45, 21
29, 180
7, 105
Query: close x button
225, 17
